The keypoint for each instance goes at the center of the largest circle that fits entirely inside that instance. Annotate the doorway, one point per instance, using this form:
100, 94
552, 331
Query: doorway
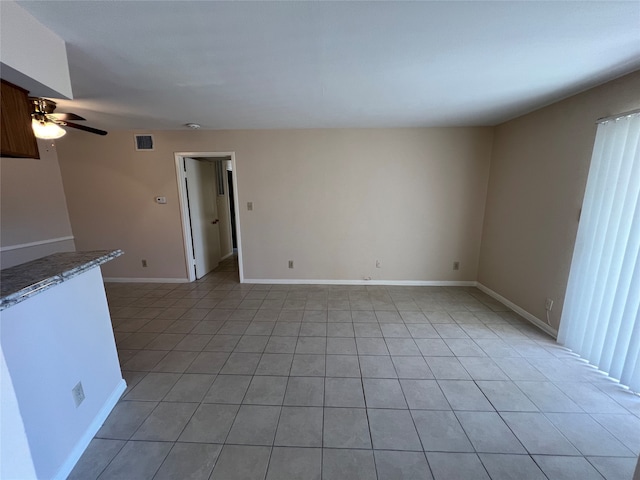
232, 209
208, 198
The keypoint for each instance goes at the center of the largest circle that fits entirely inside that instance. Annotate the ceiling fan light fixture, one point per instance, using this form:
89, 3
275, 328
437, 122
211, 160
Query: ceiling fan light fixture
46, 130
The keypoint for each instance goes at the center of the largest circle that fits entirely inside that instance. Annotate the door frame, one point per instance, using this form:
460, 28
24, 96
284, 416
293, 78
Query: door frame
184, 209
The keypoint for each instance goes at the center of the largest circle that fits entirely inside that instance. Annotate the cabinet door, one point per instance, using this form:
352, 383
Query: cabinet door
17, 138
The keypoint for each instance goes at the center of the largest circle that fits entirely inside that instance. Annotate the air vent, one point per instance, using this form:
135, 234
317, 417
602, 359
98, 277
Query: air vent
144, 142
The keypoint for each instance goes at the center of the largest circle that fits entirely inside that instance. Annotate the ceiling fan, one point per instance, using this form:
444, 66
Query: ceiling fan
47, 124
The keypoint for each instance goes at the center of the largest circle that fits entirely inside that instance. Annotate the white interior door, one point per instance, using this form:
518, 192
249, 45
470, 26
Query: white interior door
200, 186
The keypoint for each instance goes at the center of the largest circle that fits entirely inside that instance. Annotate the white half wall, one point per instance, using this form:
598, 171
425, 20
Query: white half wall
25, 252
50, 342
15, 455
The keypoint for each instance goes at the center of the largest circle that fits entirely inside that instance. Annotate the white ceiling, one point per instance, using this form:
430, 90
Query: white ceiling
230, 65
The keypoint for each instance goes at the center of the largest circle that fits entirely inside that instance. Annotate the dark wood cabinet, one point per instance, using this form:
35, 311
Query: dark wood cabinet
17, 138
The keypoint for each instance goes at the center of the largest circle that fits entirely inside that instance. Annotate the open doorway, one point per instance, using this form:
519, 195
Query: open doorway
232, 209
208, 197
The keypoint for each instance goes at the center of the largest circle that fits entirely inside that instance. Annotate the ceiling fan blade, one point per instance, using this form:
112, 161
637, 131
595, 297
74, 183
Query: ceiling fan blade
64, 116
83, 127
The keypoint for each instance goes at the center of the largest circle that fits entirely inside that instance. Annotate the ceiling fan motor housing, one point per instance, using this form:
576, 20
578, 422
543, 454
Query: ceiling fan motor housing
43, 109
42, 106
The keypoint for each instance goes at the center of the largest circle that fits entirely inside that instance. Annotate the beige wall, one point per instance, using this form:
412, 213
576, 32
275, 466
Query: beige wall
334, 201
538, 175
33, 208
111, 192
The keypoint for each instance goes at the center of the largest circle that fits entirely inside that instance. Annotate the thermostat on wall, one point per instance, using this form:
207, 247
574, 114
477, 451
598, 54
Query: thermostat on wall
161, 200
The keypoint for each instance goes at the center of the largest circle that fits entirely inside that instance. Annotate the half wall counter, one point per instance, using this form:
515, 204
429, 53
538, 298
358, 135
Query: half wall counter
60, 375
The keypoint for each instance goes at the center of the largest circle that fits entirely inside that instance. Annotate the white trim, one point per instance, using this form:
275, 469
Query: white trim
135, 142
230, 254
236, 202
94, 426
145, 280
184, 213
415, 283
35, 244
618, 116
229, 201
520, 311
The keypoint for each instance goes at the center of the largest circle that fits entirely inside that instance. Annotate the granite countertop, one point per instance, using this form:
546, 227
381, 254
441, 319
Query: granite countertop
23, 281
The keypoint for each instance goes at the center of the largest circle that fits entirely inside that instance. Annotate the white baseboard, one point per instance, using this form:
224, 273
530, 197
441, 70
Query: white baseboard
93, 428
520, 311
145, 280
230, 254
410, 283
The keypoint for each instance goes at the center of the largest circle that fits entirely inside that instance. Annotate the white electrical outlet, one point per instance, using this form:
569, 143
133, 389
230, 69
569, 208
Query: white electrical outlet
548, 304
378, 264
78, 394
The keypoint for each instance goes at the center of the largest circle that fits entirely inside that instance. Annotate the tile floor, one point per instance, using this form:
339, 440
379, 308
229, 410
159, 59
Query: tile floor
231, 381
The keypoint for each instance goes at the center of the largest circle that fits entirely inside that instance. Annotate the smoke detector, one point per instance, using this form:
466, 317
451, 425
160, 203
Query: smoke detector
192, 126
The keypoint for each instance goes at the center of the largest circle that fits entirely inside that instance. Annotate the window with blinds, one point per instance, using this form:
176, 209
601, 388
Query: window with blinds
600, 320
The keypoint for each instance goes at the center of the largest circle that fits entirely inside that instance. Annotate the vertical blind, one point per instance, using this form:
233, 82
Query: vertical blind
600, 320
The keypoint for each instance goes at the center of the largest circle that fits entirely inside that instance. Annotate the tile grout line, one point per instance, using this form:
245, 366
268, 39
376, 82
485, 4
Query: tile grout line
110, 461
388, 355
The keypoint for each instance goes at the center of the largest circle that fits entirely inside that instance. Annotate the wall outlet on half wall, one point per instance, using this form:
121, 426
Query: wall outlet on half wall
78, 394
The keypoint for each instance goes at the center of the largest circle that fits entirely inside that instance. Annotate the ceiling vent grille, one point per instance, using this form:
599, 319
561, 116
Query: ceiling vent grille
144, 142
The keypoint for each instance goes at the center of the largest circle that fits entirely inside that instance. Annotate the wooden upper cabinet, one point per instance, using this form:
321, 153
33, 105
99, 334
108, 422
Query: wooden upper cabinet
17, 138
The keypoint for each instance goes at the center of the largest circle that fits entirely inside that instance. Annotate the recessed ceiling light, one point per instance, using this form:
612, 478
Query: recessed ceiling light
193, 126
